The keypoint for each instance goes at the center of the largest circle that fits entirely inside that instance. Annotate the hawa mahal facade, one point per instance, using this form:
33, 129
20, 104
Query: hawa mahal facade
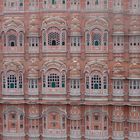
70, 70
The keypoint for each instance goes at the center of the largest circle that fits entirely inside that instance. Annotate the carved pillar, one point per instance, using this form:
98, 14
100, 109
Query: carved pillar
41, 125
26, 127
83, 108
126, 123
110, 115
68, 121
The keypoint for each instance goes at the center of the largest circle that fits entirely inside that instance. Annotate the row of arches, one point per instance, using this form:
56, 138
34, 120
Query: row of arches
53, 118
54, 37
53, 75
103, 4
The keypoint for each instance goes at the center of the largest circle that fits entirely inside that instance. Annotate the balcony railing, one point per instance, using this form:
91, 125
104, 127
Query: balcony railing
118, 92
96, 49
12, 91
134, 49
34, 133
55, 133
14, 134
54, 91
96, 92
118, 135
134, 134
75, 92
96, 134
15, 49
75, 49
134, 92
33, 91
13, 9
54, 48
33, 49
118, 49
75, 134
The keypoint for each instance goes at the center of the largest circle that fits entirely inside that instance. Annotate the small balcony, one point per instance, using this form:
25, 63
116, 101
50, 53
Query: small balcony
96, 49
12, 91
55, 91
134, 49
75, 134
14, 49
96, 92
33, 49
134, 135
13, 134
134, 92
118, 92
54, 7
13, 9
55, 133
33, 91
118, 135
75, 49
33, 133
118, 49
54, 49
118, 119
75, 92
96, 134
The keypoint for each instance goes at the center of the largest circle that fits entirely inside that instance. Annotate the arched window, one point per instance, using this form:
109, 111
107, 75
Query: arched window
20, 81
87, 82
21, 3
53, 80
53, 1
105, 82
15, 120
63, 38
21, 39
96, 2
55, 120
87, 39
63, 81
96, 39
44, 38
53, 39
56, 37
14, 5
12, 40
105, 39
4, 39
3, 81
96, 82
11, 81
117, 4
33, 4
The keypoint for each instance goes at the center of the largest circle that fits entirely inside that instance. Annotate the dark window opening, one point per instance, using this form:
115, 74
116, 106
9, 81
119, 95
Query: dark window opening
12, 44
53, 43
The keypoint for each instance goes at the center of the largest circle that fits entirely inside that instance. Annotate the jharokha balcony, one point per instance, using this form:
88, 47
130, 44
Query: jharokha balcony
12, 91
97, 92
55, 133
55, 48
118, 135
134, 135
96, 134
75, 134
13, 49
55, 91
96, 49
